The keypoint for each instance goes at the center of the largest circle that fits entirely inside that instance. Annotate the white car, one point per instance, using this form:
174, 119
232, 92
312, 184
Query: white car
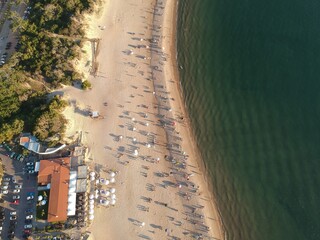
13, 213
29, 216
4, 187
4, 191
18, 186
27, 226
30, 197
16, 190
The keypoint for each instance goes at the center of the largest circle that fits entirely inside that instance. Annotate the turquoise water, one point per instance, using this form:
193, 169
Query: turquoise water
251, 78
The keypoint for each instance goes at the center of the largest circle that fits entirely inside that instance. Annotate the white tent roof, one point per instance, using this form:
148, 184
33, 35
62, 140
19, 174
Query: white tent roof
72, 193
72, 204
37, 167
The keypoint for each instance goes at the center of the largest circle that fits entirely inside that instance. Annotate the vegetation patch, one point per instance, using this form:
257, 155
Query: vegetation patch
42, 210
50, 39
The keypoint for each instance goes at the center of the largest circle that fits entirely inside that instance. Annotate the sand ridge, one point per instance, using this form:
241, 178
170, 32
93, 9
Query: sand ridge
137, 92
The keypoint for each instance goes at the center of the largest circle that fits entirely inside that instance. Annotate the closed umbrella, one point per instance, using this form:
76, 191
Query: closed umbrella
135, 152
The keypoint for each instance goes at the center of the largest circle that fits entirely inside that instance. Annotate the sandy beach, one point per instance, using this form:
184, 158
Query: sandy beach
144, 132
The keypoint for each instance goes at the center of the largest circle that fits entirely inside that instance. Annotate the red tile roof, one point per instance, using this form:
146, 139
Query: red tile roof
57, 173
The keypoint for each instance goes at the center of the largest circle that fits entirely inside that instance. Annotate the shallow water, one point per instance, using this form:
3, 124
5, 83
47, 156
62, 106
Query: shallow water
251, 78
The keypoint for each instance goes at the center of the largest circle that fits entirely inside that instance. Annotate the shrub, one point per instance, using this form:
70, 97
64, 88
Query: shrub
86, 85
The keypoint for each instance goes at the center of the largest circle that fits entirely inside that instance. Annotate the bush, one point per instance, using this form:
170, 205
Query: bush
86, 85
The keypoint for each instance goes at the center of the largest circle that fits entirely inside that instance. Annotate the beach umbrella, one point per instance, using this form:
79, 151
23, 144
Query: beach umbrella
91, 211
96, 195
92, 174
40, 198
91, 202
113, 202
107, 202
107, 193
135, 153
112, 180
91, 196
113, 196
112, 190
91, 217
112, 174
91, 207
107, 182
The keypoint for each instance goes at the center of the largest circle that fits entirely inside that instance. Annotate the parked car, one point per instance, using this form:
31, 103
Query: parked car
30, 197
16, 190
13, 218
4, 191
13, 213
16, 202
29, 210
18, 186
16, 197
4, 187
28, 221
29, 216
27, 226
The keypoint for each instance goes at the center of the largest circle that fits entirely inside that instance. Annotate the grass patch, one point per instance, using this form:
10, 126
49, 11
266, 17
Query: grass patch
42, 210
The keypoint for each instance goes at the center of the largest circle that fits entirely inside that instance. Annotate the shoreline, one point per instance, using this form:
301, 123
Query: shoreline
195, 147
145, 106
194, 142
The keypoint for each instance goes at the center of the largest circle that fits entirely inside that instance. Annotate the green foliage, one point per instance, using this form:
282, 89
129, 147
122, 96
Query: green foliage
45, 58
51, 123
86, 85
8, 131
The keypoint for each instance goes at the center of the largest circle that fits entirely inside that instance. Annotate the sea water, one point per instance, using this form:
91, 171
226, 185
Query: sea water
251, 80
